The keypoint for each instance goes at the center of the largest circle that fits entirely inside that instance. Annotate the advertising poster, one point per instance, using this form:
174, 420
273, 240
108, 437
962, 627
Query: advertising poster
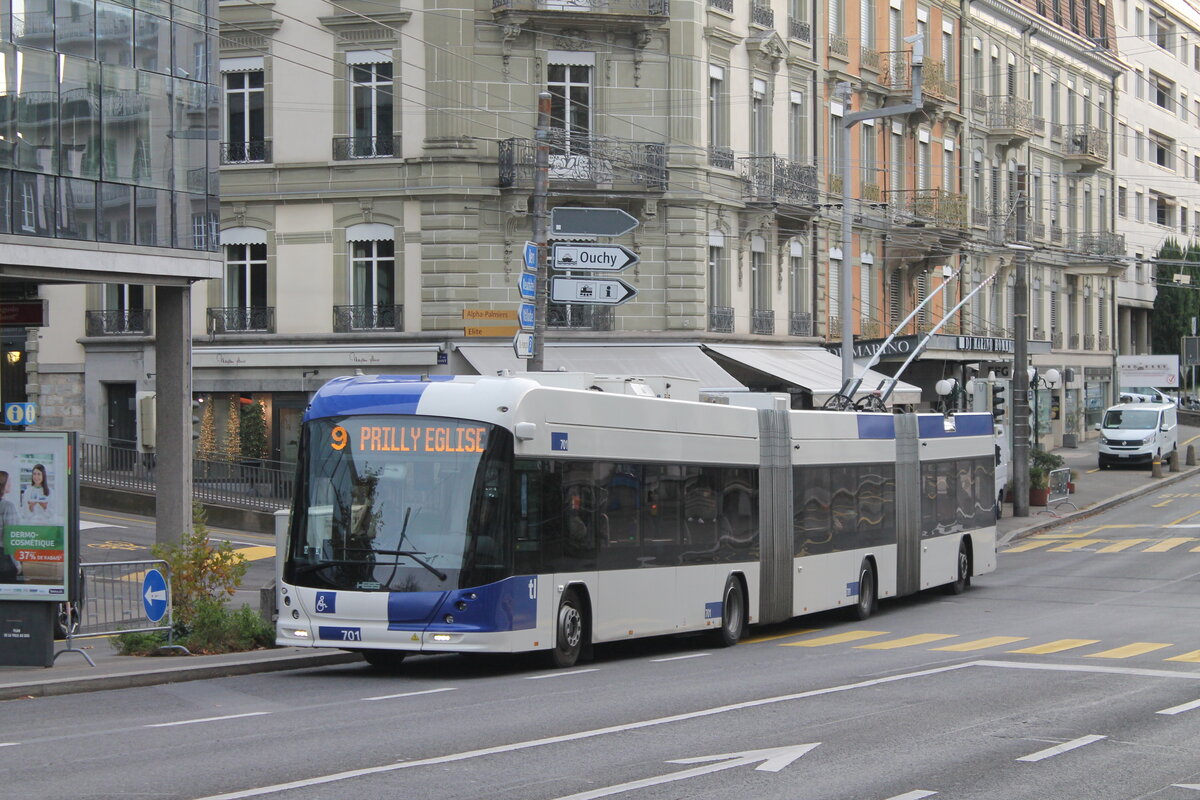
37, 494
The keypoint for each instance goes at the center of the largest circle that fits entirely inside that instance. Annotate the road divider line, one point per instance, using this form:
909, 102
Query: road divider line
1179, 709
1057, 646
1129, 650
681, 658
907, 641
981, 644
835, 638
1059, 749
561, 674
208, 719
410, 694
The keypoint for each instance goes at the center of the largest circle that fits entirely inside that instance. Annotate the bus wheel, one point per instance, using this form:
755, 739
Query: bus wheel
960, 583
733, 614
568, 632
384, 659
866, 591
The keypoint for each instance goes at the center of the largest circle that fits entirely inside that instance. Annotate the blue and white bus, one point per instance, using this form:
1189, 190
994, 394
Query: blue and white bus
554, 511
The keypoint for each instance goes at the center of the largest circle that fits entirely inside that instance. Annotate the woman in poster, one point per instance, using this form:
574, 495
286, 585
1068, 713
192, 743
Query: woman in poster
10, 569
36, 496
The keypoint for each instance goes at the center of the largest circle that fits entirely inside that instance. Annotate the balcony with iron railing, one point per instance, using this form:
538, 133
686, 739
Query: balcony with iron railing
348, 148
870, 192
770, 179
236, 319
1104, 342
800, 30
720, 319
979, 103
1073, 342
896, 74
1085, 146
762, 320
1089, 341
122, 322
835, 183
762, 15
869, 57
1056, 234
869, 328
839, 45
800, 323
598, 162
1010, 119
257, 152
934, 207
1056, 340
367, 318
566, 316
607, 9
723, 5
1097, 244
720, 157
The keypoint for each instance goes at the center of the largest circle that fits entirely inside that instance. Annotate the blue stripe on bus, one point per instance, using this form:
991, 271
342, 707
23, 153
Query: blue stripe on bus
508, 605
370, 394
964, 425
876, 426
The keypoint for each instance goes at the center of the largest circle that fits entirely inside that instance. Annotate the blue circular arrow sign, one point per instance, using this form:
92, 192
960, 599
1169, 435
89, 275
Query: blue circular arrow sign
154, 595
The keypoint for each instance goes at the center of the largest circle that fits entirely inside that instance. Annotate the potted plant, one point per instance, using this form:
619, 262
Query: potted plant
1040, 465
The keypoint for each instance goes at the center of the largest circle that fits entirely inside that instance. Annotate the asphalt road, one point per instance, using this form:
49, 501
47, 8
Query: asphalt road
1073, 672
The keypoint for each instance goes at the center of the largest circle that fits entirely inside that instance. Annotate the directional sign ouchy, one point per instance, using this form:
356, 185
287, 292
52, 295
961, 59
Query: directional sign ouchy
600, 291
593, 257
569, 221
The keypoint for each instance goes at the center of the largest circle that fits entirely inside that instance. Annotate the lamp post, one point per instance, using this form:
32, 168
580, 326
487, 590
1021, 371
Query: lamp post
947, 389
1036, 382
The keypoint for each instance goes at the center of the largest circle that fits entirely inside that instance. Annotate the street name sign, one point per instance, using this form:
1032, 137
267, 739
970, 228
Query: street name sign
489, 314
527, 284
529, 257
593, 257
523, 345
600, 291
476, 331
527, 315
569, 221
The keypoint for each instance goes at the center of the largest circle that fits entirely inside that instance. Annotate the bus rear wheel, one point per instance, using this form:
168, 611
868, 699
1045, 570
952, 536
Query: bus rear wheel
866, 591
568, 631
733, 614
963, 578
384, 659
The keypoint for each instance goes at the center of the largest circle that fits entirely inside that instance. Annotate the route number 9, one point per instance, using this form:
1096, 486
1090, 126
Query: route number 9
339, 437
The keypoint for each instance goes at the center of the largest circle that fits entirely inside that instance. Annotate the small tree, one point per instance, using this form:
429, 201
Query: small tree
254, 431
233, 429
206, 448
201, 571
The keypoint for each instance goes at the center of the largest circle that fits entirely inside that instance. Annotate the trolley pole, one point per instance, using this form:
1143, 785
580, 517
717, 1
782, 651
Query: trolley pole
541, 180
1020, 377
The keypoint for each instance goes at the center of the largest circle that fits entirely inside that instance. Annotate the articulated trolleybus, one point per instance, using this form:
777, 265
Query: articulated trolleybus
553, 511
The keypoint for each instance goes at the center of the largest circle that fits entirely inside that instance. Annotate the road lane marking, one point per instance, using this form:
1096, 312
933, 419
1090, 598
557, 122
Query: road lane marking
561, 674
256, 553
1163, 504
915, 794
1057, 646
581, 735
87, 525
835, 638
758, 639
1078, 544
1179, 709
1129, 650
1059, 749
1182, 519
906, 641
1168, 544
981, 644
9, 744
207, 719
1027, 546
1191, 658
1124, 544
680, 658
410, 694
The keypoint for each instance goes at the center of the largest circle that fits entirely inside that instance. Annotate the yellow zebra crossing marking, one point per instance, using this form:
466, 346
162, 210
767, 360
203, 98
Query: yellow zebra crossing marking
835, 638
1124, 544
1192, 657
981, 644
906, 641
1078, 544
1057, 646
1168, 544
1026, 547
257, 553
760, 639
1129, 650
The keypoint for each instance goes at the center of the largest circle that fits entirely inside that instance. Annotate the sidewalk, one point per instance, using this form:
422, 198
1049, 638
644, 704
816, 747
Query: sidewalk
1094, 492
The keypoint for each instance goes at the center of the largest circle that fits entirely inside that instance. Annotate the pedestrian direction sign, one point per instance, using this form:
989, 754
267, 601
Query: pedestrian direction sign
599, 291
523, 345
569, 221
530, 257
526, 316
593, 257
154, 595
528, 285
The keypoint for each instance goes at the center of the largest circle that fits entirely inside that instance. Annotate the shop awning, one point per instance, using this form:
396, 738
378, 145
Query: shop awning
811, 368
678, 361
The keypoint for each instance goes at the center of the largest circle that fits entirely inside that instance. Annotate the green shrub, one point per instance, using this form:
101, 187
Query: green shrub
216, 629
200, 570
139, 643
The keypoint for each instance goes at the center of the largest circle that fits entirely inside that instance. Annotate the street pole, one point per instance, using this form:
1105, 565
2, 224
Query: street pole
1020, 378
541, 180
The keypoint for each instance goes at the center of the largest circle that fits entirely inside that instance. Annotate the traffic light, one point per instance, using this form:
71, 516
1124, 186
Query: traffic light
196, 406
999, 401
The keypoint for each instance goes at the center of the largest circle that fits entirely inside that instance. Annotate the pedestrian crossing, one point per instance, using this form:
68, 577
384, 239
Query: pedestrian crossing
1090, 543
864, 639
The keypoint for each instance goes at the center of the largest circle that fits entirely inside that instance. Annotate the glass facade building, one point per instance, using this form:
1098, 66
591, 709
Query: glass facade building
109, 121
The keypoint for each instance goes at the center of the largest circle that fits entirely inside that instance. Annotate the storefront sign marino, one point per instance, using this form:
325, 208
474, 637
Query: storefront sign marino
986, 344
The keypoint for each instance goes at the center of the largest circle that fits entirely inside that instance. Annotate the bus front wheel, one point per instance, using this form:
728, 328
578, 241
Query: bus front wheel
568, 632
733, 614
963, 579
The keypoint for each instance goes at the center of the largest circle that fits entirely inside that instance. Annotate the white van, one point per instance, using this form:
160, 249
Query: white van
1145, 394
1138, 433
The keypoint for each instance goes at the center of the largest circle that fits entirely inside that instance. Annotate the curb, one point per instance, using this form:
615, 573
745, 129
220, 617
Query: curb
52, 687
1103, 505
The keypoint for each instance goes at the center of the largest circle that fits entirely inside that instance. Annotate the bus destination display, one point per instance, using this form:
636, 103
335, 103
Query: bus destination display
411, 438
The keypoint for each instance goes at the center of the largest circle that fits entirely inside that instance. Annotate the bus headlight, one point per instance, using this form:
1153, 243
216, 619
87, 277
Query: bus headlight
298, 633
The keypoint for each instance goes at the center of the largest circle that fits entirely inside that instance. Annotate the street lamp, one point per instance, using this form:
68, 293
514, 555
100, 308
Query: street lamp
1036, 381
947, 389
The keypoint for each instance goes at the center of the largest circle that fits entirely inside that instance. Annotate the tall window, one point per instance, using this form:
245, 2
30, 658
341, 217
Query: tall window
246, 276
373, 274
923, 165
1054, 115
245, 128
798, 128
896, 158
948, 52
867, 157
718, 272
570, 87
866, 10
371, 109
760, 119
718, 108
800, 287
760, 275
125, 304
1035, 92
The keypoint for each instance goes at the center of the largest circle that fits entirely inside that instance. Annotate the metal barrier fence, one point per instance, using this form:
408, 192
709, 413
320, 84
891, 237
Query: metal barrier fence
261, 485
111, 602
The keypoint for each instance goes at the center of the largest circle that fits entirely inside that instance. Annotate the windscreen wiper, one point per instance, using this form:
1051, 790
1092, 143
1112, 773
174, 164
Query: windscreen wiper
415, 556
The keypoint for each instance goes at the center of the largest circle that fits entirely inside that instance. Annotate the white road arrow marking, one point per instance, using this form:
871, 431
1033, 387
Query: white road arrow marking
1180, 708
1059, 749
773, 759
152, 595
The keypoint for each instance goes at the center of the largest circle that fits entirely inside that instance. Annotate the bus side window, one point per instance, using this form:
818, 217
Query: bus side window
536, 511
